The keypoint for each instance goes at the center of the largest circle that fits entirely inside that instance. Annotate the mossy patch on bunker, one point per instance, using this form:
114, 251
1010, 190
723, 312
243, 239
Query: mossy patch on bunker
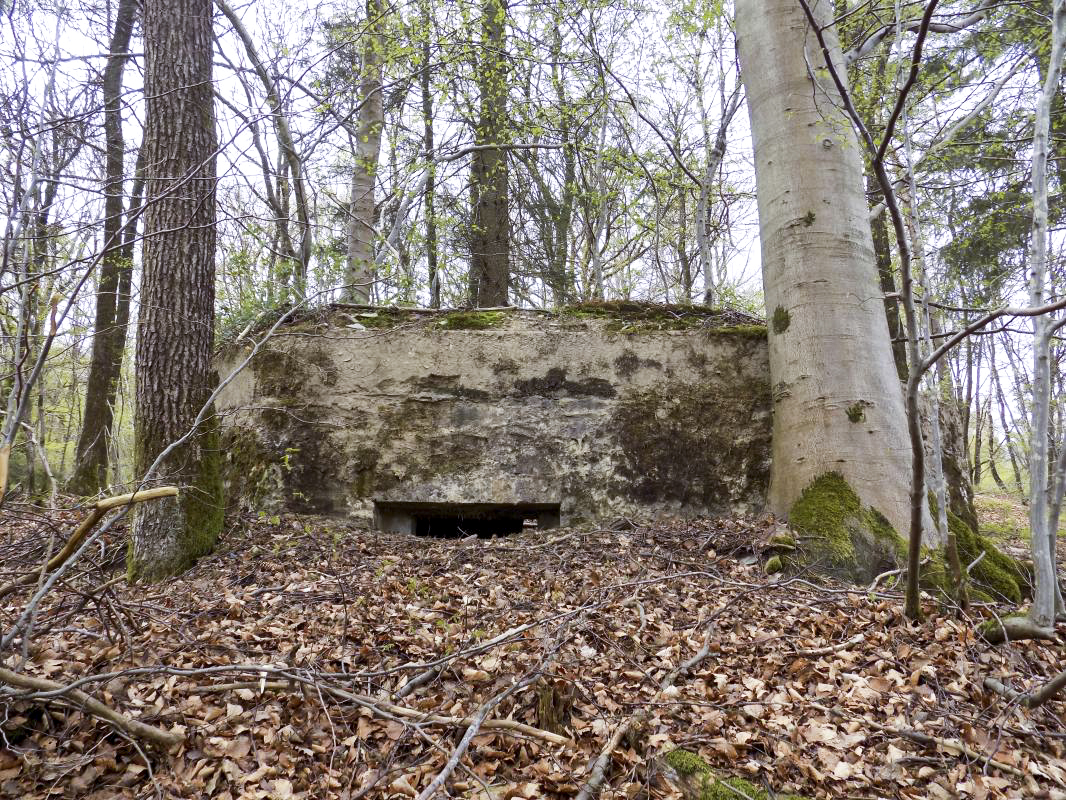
472, 320
656, 426
629, 317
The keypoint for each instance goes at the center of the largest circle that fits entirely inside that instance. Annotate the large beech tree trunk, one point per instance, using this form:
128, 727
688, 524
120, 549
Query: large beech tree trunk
175, 331
838, 404
109, 330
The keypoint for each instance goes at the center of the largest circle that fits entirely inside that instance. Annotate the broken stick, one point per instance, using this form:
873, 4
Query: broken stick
85, 528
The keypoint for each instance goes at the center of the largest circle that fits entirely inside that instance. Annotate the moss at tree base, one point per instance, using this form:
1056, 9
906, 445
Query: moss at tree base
837, 537
699, 782
187, 527
997, 573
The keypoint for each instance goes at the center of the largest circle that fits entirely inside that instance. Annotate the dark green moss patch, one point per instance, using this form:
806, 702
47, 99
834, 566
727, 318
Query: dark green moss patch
472, 320
195, 516
996, 573
555, 382
679, 443
838, 537
204, 501
699, 781
628, 363
280, 374
781, 319
629, 317
447, 385
857, 411
746, 331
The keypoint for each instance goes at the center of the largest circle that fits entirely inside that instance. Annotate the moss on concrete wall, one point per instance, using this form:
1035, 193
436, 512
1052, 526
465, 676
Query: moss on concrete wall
687, 444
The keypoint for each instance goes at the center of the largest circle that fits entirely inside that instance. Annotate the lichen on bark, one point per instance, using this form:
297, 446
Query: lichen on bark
186, 527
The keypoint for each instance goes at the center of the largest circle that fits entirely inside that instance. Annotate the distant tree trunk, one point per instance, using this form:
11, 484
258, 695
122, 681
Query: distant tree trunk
838, 405
883, 256
175, 331
490, 246
562, 212
109, 332
430, 152
359, 275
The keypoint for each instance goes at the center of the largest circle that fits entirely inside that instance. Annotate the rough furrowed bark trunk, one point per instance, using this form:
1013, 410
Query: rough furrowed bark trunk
838, 404
90, 473
175, 331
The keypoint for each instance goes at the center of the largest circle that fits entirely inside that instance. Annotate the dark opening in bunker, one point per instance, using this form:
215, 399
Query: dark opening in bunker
458, 520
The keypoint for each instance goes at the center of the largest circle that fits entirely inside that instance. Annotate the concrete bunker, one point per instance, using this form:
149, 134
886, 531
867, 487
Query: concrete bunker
440, 422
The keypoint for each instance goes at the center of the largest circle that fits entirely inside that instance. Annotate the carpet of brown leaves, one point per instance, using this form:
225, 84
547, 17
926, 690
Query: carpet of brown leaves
339, 619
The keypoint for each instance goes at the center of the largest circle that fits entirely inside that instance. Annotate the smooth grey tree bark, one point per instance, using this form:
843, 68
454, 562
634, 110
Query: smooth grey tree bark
838, 404
1048, 598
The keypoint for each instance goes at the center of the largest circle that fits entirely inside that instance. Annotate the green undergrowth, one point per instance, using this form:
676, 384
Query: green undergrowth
837, 536
701, 782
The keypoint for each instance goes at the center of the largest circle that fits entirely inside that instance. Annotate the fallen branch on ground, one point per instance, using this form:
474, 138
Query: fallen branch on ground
130, 727
950, 745
599, 767
477, 721
389, 710
1030, 699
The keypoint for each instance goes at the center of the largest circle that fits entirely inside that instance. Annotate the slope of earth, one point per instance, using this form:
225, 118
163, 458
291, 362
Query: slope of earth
307, 659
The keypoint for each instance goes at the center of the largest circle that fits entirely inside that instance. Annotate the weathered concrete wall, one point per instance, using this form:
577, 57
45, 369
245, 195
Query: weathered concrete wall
606, 414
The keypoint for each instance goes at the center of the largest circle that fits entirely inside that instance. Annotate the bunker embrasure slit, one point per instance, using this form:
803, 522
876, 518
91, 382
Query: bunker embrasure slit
459, 520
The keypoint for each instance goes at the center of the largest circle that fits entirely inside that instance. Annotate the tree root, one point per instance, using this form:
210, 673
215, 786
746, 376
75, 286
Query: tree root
1032, 698
1013, 628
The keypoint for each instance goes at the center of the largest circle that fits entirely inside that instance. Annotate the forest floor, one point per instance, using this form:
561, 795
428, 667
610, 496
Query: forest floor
309, 659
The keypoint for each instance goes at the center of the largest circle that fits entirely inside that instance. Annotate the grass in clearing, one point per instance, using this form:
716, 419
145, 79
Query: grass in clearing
1005, 516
